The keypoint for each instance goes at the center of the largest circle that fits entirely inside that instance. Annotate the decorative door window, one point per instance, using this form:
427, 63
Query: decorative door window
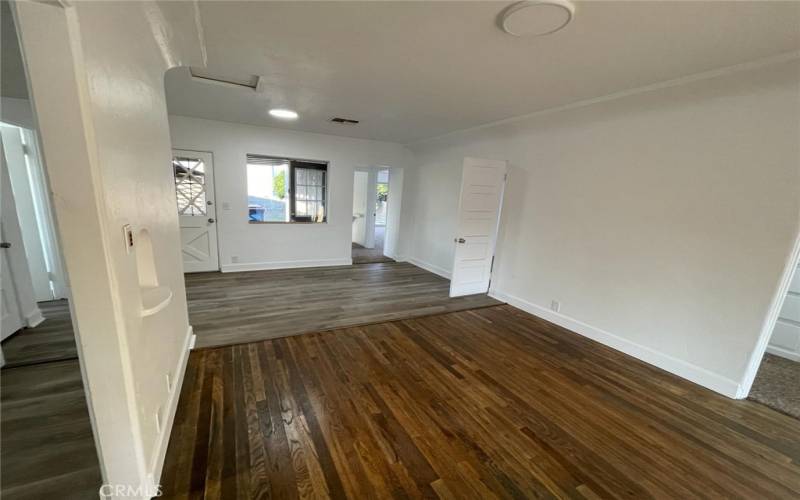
190, 185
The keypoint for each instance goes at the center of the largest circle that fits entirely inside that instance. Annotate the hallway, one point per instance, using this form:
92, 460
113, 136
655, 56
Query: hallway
46, 444
362, 255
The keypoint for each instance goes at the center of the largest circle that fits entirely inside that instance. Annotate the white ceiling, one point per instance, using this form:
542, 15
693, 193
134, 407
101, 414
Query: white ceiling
414, 70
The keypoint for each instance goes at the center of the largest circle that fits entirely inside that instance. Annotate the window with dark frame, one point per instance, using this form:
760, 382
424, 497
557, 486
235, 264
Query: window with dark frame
286, 190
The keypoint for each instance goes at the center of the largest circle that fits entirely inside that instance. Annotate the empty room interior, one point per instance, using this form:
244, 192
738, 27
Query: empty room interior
390, 249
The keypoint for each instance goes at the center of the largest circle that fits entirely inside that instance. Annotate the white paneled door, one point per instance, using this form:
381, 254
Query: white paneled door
194, 189
10, 318
482, 185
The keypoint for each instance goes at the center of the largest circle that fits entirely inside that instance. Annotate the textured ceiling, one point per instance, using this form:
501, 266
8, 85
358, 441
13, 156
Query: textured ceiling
413, 70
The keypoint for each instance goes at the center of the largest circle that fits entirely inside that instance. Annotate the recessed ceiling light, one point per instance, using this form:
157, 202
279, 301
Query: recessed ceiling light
283, 114
536, 17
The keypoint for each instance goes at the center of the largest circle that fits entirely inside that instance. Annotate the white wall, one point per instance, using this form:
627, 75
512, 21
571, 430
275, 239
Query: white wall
267, 246
661, 220
97, 73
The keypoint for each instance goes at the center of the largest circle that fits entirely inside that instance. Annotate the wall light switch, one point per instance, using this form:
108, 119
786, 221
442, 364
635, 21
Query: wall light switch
128, 233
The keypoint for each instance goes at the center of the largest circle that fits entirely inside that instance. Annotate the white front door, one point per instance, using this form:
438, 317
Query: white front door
194, 189
482, 186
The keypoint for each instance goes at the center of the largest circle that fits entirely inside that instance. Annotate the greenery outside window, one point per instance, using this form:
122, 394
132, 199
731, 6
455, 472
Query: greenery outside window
286, 190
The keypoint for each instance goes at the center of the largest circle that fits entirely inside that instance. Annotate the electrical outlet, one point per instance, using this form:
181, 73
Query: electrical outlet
127, 232
226, 205
555, 305
234, 259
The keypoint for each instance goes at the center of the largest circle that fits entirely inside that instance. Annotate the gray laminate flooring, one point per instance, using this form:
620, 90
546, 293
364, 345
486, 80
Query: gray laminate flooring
235, 308
52, 340
47, 448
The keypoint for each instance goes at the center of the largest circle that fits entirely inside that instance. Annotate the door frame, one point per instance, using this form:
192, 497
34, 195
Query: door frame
369, 213
493, 245
768, 326
213, 191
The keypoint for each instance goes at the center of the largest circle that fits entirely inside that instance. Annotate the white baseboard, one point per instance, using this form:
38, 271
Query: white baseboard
444, 273
284, 264
34, 318
192, 341
693, 373
171, 407
784, 353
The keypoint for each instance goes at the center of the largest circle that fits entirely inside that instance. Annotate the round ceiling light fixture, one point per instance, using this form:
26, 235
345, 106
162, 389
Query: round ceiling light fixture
283, 114
536, 17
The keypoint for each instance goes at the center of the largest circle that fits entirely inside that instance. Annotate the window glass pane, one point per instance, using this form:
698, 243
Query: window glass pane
276, 186
190, 189
309, 194
267, 189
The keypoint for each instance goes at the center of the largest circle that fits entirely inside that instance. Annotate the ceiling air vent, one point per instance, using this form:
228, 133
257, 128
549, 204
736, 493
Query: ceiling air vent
347, 121
254, 82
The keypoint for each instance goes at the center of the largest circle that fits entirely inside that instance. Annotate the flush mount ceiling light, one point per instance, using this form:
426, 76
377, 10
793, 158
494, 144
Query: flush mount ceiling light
536, 17
283, 114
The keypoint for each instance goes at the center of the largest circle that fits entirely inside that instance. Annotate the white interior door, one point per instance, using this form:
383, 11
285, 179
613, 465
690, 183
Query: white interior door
22, 186
10, 317
194, 188
360, 208
482, 186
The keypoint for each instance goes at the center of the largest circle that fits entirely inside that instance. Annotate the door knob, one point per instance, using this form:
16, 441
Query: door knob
459, 240
5, 244
211, 221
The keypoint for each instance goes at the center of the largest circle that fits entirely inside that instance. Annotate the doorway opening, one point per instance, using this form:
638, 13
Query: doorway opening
193, 172
42, 381
47, 443
776, 382
371, 223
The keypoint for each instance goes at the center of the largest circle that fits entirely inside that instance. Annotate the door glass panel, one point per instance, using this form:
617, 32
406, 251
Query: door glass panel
190, 185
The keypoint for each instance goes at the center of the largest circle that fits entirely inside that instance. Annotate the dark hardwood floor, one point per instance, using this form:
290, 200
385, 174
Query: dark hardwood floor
234, 308
53, 340
47, 446
481, 403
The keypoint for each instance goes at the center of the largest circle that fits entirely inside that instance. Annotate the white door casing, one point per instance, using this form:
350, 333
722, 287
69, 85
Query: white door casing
194, 188
482, 185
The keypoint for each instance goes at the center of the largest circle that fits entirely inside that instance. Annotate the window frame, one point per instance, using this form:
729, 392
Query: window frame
291, 188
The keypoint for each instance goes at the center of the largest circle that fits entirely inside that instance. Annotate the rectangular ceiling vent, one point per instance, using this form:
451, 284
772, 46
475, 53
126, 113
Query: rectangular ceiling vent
346, 121
254, 82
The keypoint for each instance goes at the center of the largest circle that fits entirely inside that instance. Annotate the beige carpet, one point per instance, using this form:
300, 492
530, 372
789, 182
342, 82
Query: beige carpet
777, 385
